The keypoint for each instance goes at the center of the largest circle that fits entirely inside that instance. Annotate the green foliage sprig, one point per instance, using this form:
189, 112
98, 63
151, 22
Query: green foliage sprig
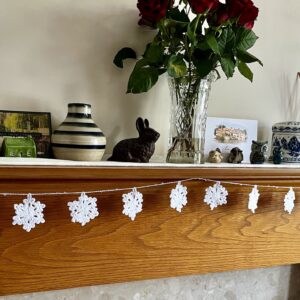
190, 39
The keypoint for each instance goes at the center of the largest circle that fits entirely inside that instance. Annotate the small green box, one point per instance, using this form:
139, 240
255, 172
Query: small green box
18, 147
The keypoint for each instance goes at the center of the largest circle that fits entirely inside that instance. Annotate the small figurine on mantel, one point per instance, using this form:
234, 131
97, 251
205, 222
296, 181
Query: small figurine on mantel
277, 155
138, 149
236, 156
215, 156
258, 152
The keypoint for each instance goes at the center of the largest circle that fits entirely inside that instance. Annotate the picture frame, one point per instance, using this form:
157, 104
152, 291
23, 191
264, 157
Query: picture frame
227, 133
28, 123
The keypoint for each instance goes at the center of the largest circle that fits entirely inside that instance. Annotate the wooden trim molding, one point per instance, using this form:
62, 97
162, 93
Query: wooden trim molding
160, 243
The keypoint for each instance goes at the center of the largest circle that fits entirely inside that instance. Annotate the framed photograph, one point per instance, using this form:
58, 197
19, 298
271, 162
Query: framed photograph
225, 134
23, 123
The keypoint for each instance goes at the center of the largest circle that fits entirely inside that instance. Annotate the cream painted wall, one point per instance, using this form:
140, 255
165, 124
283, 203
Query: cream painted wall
54, 52
57, 51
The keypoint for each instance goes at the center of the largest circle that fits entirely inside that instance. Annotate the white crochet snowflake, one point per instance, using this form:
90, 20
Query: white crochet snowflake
253, 199
133, 203
215, 195
178, 197
289, 201
29, 213
84, 209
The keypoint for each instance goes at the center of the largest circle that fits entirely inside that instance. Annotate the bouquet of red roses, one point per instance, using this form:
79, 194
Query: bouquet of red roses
193, 36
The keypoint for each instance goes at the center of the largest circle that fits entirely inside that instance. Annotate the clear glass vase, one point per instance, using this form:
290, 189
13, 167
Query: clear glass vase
189, 97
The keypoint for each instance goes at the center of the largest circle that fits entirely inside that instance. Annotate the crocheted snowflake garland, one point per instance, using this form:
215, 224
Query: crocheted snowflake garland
215, 195
178, 197
289, 200
133, 203
253, 199
29, 213
84, 209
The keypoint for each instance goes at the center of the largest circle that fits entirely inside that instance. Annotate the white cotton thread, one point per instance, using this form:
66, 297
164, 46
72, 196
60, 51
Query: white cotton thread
5, 194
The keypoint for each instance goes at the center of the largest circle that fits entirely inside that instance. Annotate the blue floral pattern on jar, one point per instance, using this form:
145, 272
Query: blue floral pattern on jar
287, 136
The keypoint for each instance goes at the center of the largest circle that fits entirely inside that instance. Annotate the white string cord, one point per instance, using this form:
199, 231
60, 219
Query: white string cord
150, 186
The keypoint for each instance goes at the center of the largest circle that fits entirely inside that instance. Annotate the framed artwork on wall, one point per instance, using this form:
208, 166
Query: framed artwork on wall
226, 133
25, 123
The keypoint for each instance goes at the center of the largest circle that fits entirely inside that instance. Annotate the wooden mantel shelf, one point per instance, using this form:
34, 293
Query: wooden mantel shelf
160, 243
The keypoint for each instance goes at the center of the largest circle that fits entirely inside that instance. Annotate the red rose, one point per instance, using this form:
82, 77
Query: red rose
221, 15
152, 11
244, 10
248, 17
201, 6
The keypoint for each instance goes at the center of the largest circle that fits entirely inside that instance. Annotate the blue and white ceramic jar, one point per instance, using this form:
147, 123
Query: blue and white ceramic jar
287, 136
78, 137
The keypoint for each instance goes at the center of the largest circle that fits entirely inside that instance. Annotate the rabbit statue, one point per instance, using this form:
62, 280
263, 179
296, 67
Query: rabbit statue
137, 149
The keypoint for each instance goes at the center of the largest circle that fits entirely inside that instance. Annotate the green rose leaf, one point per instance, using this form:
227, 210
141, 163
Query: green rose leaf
169, 24
226, 40
247, 57
204, 61
203, 67
178, 15
203, 46
228, 66
123, 54
154, 54
192, 31
213, 43
176, 66
245, 70
142, 79
246, 39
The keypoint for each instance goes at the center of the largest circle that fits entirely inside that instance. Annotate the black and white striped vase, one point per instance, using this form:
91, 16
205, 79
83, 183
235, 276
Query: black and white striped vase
78, 137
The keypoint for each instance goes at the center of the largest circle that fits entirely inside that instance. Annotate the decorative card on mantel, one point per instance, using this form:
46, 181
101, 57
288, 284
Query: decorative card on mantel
226, 133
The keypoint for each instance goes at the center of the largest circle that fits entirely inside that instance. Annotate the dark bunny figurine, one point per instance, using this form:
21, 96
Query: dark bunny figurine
138, 149
236, 156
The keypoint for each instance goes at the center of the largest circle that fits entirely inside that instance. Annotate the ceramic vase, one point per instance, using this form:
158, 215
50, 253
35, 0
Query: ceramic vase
78, 137
189, 96
287, 136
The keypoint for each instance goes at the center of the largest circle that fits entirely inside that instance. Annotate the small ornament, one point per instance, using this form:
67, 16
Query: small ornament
18, 147
216, 195
178, 197
29, 213
84, 209
253, 199
236, 156
258, 152
133, 203
277, 155
138, 149
215, 156
289, 200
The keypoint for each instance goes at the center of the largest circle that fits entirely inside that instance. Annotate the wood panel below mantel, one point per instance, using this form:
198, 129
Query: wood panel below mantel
160, 243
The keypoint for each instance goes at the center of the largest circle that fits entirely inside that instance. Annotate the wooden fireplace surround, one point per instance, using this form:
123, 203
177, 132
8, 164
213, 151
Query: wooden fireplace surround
160, 243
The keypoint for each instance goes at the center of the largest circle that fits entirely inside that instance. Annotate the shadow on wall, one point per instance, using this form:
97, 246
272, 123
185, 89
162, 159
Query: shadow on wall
294, 286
